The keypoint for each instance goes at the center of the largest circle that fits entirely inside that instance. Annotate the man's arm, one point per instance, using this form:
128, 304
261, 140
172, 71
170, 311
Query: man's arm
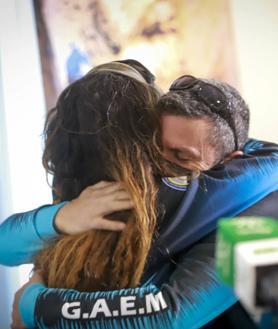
225, 192
40, 290
23, 235
192, 297
192, 293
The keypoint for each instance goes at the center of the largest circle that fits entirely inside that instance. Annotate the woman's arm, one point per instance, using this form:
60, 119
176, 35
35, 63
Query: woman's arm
193, 293
192, 297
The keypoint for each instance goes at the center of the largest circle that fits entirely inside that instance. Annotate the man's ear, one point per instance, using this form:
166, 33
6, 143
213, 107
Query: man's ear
233, 155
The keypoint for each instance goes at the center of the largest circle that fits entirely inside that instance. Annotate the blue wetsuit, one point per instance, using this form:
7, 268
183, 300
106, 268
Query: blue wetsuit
185, 292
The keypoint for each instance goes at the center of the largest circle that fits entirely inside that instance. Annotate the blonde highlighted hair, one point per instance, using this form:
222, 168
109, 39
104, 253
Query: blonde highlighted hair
103, 128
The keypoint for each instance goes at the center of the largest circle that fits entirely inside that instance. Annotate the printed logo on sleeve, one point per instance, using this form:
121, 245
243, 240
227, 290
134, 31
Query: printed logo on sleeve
126, 306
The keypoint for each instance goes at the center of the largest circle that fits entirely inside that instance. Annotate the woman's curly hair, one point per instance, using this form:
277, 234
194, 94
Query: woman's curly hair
103, 128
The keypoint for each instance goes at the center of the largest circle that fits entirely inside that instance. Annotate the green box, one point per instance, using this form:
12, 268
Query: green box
240, 229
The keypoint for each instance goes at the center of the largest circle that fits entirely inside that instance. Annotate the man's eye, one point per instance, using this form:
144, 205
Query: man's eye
181, 157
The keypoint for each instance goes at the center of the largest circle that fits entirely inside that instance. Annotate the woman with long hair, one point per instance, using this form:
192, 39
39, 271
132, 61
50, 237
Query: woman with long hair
103, 128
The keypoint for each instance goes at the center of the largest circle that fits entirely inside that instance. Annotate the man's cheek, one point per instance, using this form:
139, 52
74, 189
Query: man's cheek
168, 155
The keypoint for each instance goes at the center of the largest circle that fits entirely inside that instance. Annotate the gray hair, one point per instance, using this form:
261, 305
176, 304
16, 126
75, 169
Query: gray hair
187, 103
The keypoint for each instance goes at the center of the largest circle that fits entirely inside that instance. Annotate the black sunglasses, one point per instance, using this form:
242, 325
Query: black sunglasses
210, 95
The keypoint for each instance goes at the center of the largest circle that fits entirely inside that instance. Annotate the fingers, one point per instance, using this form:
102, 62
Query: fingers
110, 225
117, 205
100, 185
120, 195
110, 189
105, 188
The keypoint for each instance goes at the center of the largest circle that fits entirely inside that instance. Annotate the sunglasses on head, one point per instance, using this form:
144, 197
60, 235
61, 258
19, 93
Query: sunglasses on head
210, 95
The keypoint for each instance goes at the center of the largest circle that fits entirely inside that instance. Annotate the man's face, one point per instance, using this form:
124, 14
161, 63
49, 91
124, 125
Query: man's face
186, 141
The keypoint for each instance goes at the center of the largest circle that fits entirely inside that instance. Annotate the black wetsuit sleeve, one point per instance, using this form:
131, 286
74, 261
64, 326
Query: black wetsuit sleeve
190, 298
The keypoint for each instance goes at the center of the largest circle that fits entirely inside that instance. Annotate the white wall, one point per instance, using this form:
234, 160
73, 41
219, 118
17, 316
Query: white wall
22, 111
6, 275
256, 34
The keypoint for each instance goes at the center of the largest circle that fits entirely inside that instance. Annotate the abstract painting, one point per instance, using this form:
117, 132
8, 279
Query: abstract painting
170, 37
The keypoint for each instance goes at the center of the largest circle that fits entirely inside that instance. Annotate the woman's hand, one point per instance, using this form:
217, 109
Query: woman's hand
88, 211
16, 318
